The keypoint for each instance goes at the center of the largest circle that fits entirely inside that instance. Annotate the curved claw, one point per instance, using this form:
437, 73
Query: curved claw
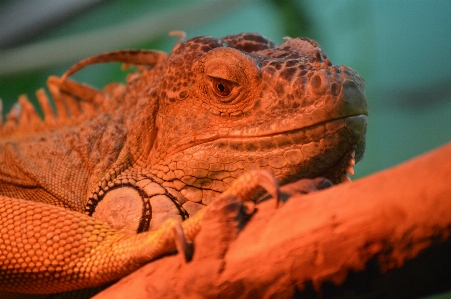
270, 184
182, 245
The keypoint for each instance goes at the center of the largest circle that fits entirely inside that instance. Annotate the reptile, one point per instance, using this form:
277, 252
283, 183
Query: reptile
115, 178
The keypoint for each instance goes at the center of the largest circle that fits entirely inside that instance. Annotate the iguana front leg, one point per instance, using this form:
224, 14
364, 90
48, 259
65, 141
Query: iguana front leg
47, 249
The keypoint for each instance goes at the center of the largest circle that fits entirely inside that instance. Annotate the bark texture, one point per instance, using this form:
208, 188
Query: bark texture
383, 236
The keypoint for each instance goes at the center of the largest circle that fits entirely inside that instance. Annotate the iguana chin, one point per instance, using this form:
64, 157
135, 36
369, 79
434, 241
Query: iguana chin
156, 150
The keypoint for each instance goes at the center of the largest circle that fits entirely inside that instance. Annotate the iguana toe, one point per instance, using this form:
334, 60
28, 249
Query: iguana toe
250, 185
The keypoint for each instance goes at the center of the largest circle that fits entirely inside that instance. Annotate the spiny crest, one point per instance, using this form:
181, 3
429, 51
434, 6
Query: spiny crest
73, 100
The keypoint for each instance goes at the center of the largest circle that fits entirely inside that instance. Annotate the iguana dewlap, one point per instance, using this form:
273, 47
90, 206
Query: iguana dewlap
183, 128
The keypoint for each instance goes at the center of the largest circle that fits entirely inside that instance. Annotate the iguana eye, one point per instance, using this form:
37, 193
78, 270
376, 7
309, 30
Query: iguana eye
221, 87
229, 79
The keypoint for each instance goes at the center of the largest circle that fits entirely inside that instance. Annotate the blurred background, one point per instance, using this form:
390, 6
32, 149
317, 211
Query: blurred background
401, 48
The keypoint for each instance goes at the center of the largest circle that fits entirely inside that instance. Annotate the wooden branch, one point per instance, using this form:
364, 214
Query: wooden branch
384, 236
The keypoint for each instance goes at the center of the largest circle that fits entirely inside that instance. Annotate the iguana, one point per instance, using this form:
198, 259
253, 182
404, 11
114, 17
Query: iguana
187, 128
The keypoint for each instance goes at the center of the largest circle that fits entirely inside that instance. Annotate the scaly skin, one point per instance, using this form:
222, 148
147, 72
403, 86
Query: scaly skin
160, 148
62, 250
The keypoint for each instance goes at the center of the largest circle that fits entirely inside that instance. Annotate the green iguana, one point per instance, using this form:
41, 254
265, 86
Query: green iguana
187, 128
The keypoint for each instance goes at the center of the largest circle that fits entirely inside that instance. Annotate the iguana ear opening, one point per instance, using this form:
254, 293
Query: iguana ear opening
229, 78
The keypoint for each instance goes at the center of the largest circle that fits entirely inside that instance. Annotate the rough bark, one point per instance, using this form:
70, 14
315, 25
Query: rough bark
383, 236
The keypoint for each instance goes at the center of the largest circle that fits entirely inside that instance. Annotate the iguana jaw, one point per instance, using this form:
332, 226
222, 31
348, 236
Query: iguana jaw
323, 149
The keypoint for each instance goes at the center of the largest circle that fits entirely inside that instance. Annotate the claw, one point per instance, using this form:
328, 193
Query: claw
270, 184
183, 246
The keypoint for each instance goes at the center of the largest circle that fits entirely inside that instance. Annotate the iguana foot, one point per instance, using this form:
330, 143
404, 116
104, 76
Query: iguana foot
248, 186
245, 189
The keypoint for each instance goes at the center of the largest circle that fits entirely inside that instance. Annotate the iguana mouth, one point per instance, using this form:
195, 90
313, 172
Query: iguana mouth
251, 142
349, 168
343, 170
329, 149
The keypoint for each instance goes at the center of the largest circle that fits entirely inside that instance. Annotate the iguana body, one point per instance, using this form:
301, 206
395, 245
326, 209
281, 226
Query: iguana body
161, 147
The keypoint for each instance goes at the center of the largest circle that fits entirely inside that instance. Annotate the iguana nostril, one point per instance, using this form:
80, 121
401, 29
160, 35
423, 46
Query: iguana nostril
318, 84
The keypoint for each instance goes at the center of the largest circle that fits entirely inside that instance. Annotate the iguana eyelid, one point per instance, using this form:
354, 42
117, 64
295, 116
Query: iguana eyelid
228, 81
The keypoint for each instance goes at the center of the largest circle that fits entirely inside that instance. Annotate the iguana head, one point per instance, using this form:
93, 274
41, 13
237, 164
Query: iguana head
231, 105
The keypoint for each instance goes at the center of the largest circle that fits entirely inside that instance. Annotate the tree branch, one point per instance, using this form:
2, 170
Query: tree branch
387, 235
